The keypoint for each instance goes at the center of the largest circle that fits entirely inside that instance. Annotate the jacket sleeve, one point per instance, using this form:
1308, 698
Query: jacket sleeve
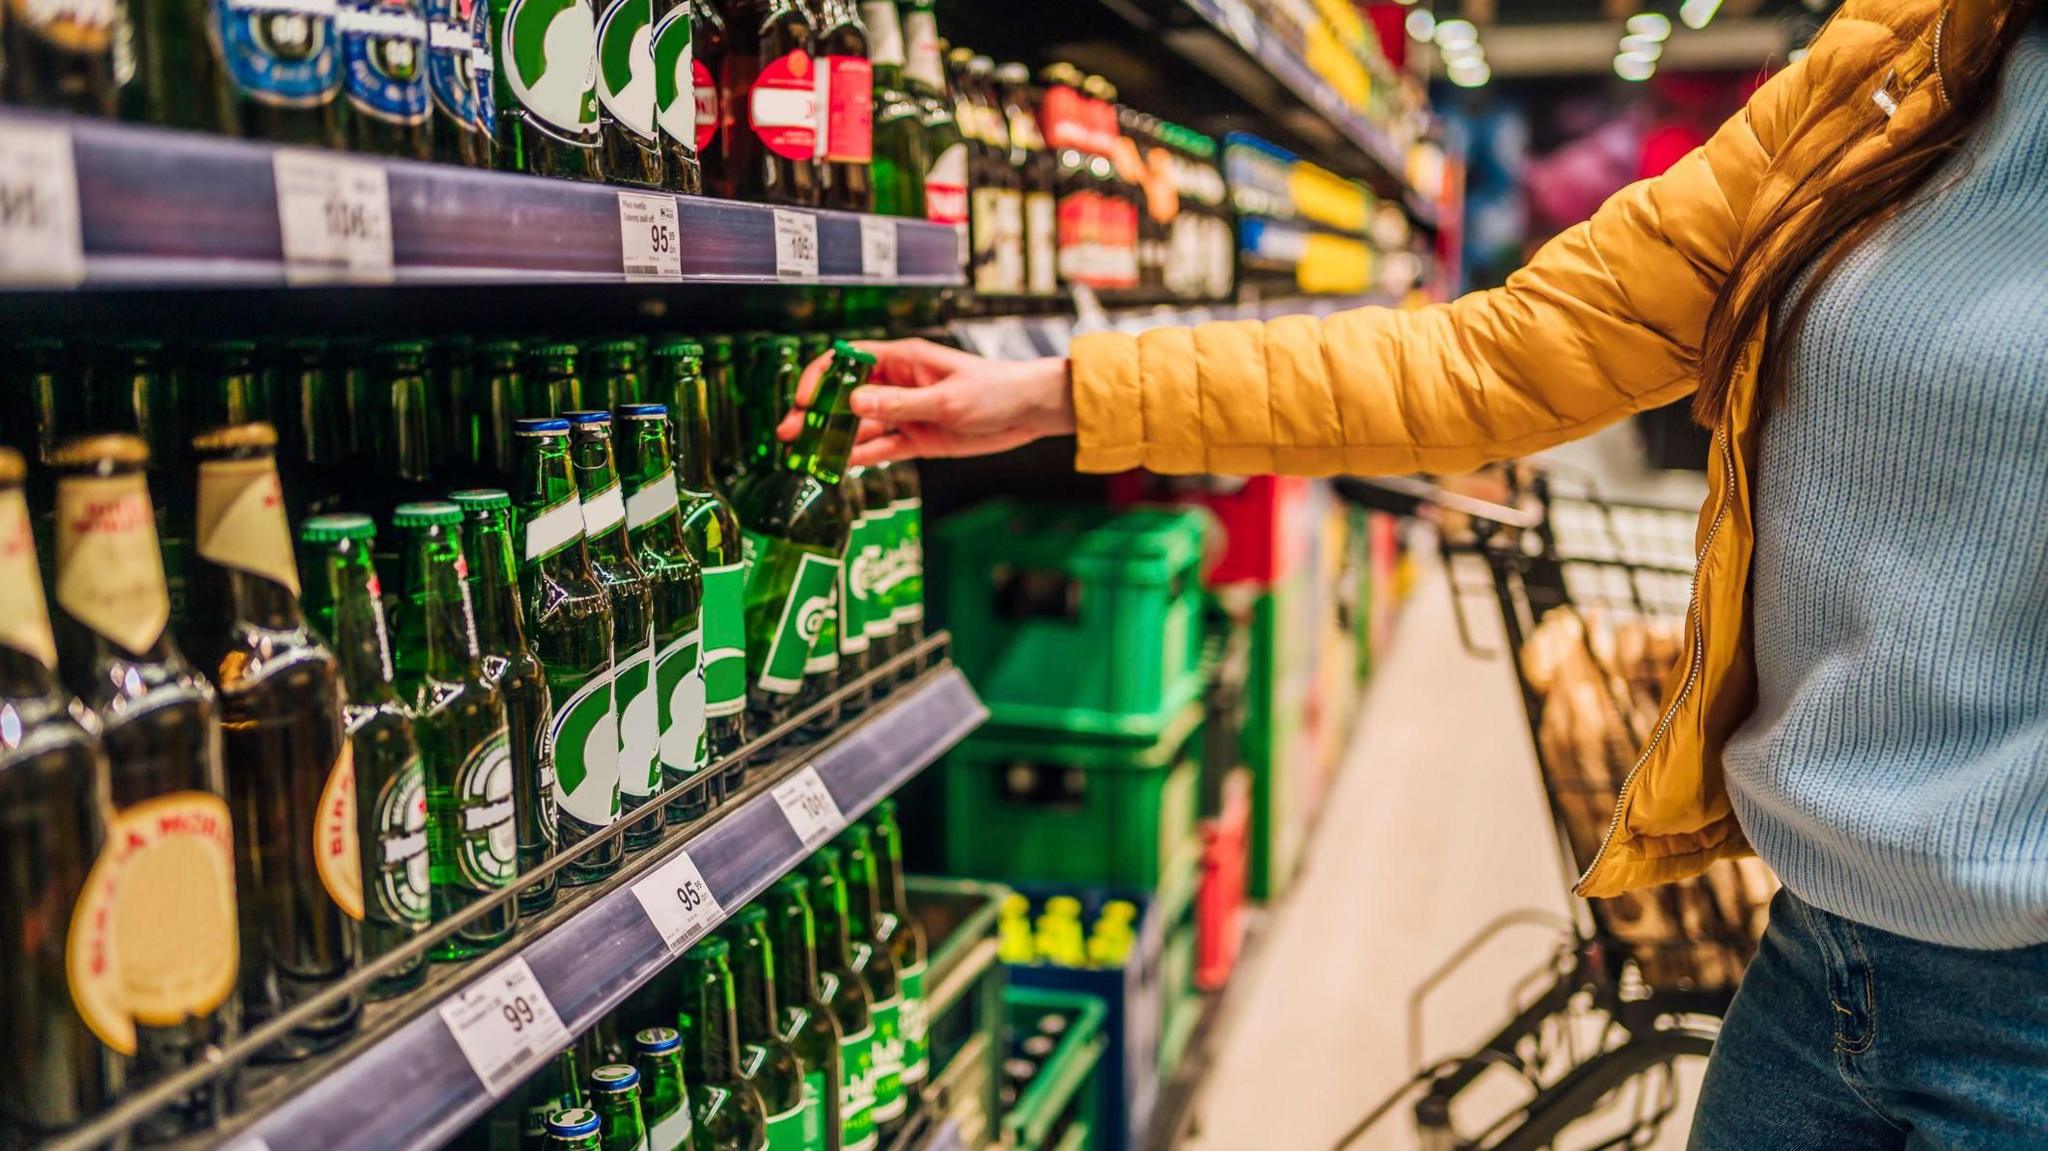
1605, 320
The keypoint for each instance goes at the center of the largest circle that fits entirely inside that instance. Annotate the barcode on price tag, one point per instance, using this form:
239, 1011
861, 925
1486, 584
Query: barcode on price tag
877, 248
335, 218
505, 1025
796, 245
813, 814
678, 902
649, 235
40, 240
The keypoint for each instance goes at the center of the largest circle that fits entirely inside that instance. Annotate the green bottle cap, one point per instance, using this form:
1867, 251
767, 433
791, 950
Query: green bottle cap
573, 1123
485, 499
656, 1040
432, 514
613, 1078
846, 351
706, 949
792, 884
683, 346
751, 913
615, 346
335, 528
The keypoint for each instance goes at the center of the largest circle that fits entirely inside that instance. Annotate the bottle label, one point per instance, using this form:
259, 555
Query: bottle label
814, 1110
671, 1132
337, 848
875, 581
477, 829
707, 104
908, 597
241, 520
801, 617
725, 640
885, 34
651, 501
823, 658
553, 529
1009, 238
639, 724
857, 1090
172, 883
914, 1026
782, 108
110, 576
679, 682
888, 1061
92, 962
854, 628
945, 186
850, 110
921, 63
1041, 241
483, 68
451, 63
625, 64
675, 104
402, 876
786, 1130
282, 52
24, 617
986, 229
603, 512
384, 57
549, 52
583, 742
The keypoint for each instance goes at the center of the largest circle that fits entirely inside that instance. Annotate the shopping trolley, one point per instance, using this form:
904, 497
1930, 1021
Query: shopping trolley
1633, 985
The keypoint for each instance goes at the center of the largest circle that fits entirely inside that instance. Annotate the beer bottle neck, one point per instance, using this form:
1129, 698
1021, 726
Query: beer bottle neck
355, 624
796, 957
688, 405
754, 989
550, 510
597, 482
861, 894
828, 906
230, 393
889, 862
824, 443
494, 586
709, 1043
726, 442
406, 438
643, 454
438, 593
28, 649
242, 531
885, 43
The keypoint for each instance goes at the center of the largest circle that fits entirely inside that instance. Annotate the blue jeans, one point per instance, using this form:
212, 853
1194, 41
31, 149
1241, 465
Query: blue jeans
1844, 1036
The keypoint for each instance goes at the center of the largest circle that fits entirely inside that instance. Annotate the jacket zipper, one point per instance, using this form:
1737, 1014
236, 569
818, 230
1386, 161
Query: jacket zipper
1699, 657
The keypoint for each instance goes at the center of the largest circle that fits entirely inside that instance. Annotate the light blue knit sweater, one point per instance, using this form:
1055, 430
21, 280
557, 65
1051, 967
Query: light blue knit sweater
1896, 769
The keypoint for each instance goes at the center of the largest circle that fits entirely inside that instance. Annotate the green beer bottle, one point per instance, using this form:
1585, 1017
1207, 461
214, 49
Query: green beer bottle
499, 388
797, 524
766, 1059
906, 562
721, 386
865, 603
133, 387
575, 1129
728, 1110
675, 95
510, 665
626, 93
552, 385
899, 161
632, 600
615, 1096
654, 525
847, 996
384, 73
460, 717
314, 411
806, 1022
393, 409
768, 382
877, 968
571, 628
556, 1087
345, 601
611, 375
712, 533
456, 411
904, 937
855, 641
664, 1097
544, 82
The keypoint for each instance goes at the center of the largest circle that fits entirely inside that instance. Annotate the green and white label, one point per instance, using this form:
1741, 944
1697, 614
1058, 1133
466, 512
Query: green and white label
814, 1110
675, 85
888, 1060
639, 724
401, 872
651, 501
806, 612
679, 684
486, 843
914, 1025
853, 603
857, 1091
671, 1132
786, 1130
725, 640
868, 573
583, 741
824, 656
625, 64
907, 589
549, 52
554, 529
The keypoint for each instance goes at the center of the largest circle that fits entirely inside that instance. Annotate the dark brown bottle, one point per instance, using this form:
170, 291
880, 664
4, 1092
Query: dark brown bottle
65, 55
675, 94
771, 104
707, 71
848, 146
290, 769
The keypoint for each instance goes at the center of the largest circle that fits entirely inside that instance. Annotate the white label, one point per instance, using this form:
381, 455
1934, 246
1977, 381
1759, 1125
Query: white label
505, 1025
679, 903
813, 814
651, 502
554, 528
334, 215
40, 239
649, 235
796, 245
603, 511
877, 248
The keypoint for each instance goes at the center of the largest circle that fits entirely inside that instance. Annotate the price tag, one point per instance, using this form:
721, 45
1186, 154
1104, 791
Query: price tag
505, 1025
812, 812
678, 902
335, 216
650, 235
877, 248
796, 245
40, 241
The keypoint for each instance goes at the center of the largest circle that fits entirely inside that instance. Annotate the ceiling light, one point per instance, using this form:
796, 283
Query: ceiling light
1456, 34
1469, 73
1696, 13
1642, 46
1634, 68
1655, 25
1421, 25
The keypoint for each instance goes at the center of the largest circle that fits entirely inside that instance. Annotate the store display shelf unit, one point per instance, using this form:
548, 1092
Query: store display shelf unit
404, 1081
154, 208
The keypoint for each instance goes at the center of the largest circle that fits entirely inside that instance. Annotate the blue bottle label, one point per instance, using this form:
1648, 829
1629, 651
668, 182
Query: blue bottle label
451, 63
384, 50
280, 51
483, 68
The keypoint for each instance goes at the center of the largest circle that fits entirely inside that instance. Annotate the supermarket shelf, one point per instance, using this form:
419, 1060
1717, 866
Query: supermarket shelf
1027, 337
158, 208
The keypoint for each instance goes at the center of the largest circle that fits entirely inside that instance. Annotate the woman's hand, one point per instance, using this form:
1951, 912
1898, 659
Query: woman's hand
924, 399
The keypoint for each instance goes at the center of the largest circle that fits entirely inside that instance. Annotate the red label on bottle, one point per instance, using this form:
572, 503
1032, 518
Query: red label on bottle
783, 106
945, 187
707, 104
850, 110
1059, 118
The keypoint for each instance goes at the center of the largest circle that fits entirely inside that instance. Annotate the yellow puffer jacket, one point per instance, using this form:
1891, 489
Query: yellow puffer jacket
1606, 320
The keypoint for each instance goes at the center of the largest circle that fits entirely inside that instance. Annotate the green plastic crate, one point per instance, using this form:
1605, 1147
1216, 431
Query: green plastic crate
1034, 807
1180, 1006
1276, 702
1058, 1111
964, 987
1077, 618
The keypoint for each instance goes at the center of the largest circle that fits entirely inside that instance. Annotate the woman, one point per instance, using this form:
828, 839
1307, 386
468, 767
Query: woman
1851, 278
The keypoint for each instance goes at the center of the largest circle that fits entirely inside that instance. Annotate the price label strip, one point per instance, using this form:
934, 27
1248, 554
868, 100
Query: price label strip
796, 245
505, 1025
650, 236
678, 902
41, 241
812, 812
334, 215
877, 248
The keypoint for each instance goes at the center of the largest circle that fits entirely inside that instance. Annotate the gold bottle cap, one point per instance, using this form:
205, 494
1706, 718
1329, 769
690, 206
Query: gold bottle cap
13, 469
111, 448
250, 435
